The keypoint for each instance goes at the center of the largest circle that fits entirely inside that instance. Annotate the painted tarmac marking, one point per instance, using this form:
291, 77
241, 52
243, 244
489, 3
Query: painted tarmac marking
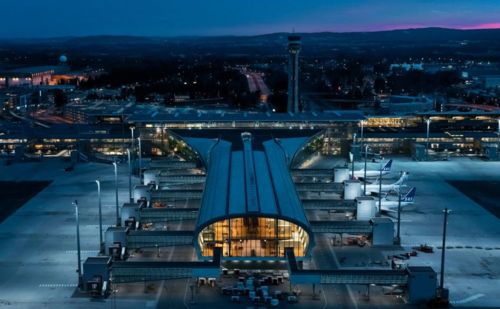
459, 247
349, 291
104, 226
467, 300
57, 285
82, 251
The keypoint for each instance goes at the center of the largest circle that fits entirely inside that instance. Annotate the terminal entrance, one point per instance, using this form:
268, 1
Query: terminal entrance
253, 237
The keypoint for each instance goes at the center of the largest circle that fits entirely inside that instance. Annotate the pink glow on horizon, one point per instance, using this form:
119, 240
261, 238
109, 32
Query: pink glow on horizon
379, 27
418, 26
482, 26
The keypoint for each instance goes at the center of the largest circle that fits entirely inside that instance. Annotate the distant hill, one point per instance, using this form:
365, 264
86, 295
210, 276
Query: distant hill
109, 40
420, 35
425, 41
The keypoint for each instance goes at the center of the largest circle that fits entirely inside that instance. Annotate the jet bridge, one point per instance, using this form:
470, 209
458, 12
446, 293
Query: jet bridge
140, 271
181, 179
420, 282
330, 204
132, 239
333, 187
344, 276
151, 239
176, 194
172, 164
313, 172
341, 227
381, 230
135, 212
154, 215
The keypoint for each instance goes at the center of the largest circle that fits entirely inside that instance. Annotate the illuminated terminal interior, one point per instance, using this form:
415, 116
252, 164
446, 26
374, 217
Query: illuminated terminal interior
253, 237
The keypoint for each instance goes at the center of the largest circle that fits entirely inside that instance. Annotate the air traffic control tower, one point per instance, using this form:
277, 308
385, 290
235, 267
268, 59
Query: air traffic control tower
293, 73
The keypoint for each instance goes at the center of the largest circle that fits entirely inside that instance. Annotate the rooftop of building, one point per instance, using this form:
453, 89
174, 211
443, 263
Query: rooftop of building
176, 115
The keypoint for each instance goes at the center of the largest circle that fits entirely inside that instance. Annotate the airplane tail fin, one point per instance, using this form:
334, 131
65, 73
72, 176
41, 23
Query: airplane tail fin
387, 166
402, 179
410, 196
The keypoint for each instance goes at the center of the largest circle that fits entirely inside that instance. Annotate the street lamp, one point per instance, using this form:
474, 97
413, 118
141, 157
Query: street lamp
428, 121
398, 232
380, 187
498, 132
163, 136
118, 223
441, 281
132, 137
101, 247
79, 269
362, 129
140, 159
351, 156
364, 179
129, 176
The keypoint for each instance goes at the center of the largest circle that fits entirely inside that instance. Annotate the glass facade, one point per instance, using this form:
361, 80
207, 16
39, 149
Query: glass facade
249, 237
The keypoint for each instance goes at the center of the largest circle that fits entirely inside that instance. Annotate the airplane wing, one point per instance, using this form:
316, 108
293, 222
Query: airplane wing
387, 210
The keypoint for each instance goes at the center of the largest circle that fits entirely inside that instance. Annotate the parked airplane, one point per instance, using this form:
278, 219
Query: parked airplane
386, 169
392, 205
373, 188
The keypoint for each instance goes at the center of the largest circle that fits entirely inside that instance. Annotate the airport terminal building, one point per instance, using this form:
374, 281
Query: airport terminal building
250, 207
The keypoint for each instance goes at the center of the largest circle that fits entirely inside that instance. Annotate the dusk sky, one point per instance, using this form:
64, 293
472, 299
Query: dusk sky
50, 18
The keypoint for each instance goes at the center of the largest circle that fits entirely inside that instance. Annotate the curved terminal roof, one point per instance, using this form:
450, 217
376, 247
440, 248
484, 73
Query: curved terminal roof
250, 180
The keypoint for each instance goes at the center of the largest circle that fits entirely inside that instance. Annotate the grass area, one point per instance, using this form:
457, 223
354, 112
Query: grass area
14, 194
485, 193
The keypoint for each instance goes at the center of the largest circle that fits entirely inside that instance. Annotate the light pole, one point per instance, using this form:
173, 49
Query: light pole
140, 159
163, 134
398, 232
352, 165
101, 247
79, 269
362, 129
441, 281
380, 187
129, 176
498, 133
428, 121
364, 179
132, 137
354, 138
118, 223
